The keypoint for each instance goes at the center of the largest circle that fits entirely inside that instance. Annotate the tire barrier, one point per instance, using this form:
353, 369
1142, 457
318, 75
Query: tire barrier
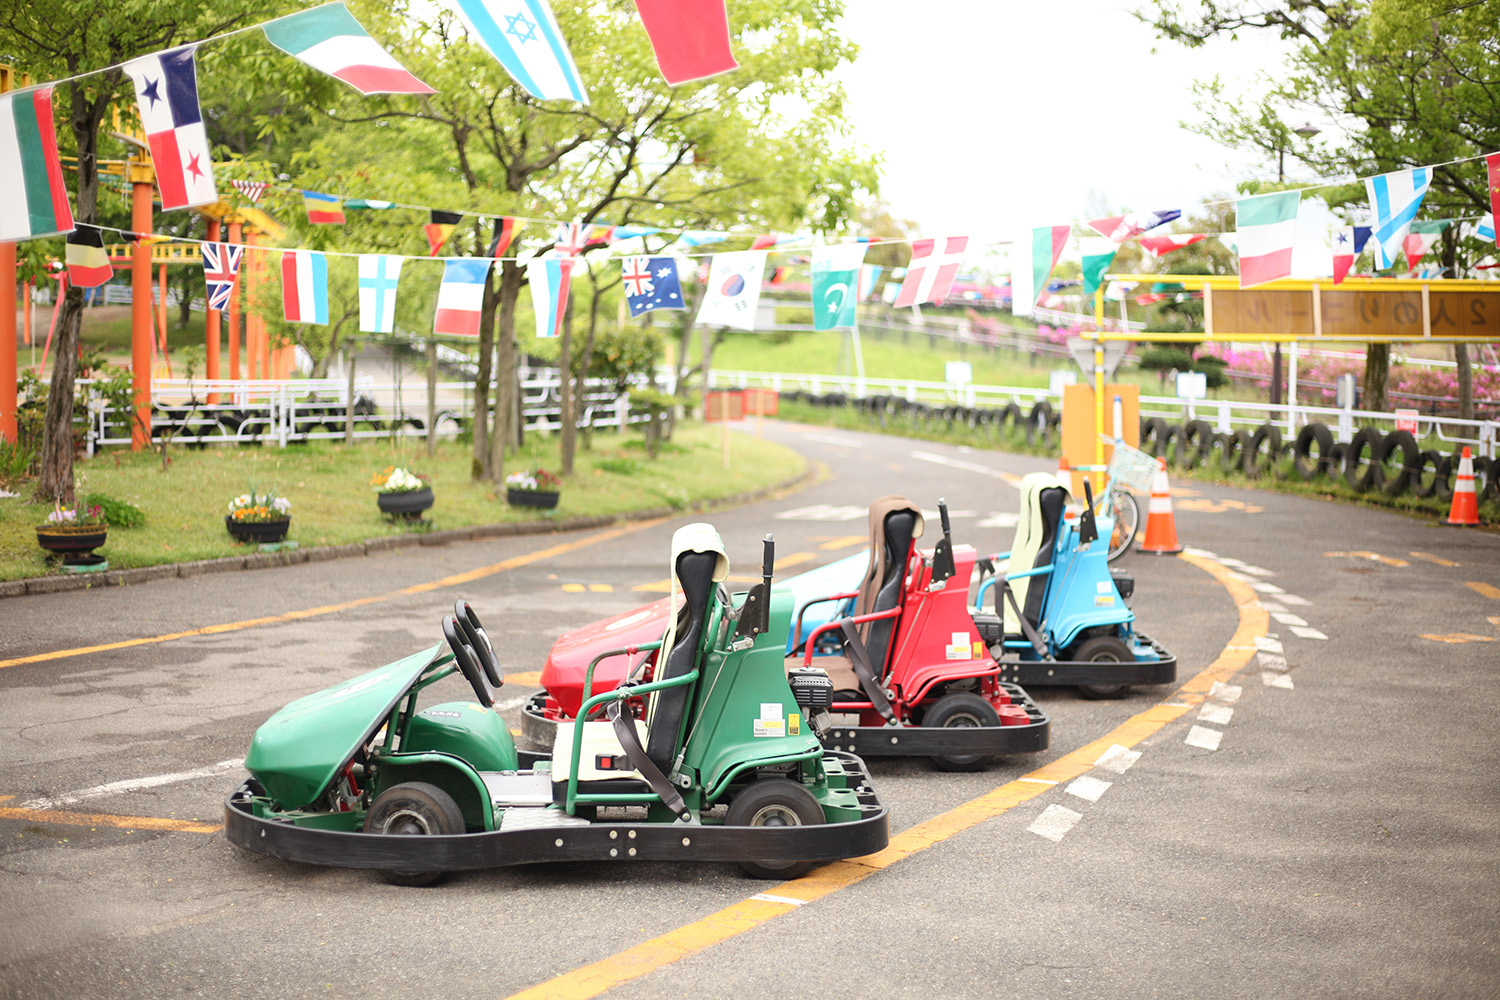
1311, 451
1232, 449
1262, 451
1431, 466
1360, 467
1393, 476
1198, 438
1170, 444
1153, 437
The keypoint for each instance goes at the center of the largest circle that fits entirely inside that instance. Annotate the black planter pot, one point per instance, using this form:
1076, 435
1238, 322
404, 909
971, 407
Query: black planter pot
72, 539
410, 504
546, 499
260, 532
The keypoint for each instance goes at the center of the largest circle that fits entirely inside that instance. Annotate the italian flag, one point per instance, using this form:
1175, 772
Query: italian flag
35, 202
1266, 230
330, 40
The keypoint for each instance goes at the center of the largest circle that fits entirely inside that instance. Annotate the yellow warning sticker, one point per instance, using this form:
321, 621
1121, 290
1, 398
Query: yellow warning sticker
1104, 601
793, 724
978, 649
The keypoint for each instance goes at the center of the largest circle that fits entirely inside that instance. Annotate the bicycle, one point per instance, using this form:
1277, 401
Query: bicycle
1128, 469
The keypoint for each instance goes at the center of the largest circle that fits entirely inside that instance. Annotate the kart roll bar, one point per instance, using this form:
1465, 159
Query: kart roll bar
797, 631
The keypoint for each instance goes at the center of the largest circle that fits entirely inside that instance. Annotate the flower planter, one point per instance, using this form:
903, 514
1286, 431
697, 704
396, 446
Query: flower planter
69, 539
259, 532
546, 499
410, 504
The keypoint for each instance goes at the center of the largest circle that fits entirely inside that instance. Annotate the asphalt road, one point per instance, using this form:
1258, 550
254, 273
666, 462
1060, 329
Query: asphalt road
1311, 811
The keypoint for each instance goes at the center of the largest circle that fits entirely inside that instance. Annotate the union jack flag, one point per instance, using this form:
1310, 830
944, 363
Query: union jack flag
221, 262
638, 276
572, 237
251, 189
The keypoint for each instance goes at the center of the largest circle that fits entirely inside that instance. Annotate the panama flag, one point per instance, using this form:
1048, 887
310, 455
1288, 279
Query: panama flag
1120, 228
37, 204
1395, 199
304, 287
1267, 228
1345, 249
221, 262
461, 295
1097, 256
88, 263
1047, 244
651, 283
690, 38
166, 92
934, 265
733, 291
1420, 240
323, 209
378, 274
1158, 245
835, 285
331, 41
550, 279
523, 35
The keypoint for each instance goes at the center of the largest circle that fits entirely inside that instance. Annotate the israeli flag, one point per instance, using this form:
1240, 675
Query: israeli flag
523, 35
1395, 199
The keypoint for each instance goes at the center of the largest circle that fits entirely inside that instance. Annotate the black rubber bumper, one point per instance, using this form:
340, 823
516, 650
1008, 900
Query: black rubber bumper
537, 730
1044, 673
930, 741
600, 841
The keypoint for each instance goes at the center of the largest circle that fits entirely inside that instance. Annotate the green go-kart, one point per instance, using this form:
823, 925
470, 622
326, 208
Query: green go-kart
729, 766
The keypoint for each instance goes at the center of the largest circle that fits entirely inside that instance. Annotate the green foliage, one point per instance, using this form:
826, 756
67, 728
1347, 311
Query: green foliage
17, 461
117, 513
620, 354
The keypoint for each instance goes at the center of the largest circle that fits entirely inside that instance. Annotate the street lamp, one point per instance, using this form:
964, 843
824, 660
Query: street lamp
1306, 131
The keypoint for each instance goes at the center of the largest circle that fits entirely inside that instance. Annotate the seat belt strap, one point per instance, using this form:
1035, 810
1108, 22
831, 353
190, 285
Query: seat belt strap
1026, 627
859, 658
624, 726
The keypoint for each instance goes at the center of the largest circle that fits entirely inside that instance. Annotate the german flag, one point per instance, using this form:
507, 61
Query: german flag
439, 228
506, 228
88, 263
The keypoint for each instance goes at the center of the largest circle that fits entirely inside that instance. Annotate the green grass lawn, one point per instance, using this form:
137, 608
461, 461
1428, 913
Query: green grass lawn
333, 503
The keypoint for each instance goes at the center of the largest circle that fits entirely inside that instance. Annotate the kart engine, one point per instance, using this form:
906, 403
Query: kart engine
814, 693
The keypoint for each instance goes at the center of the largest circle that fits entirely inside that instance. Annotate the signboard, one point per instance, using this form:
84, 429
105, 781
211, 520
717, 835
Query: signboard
958, 372
1192, 385
1406, 420
760, 402
1059, 377
1082, 350
723, 404
1421, 311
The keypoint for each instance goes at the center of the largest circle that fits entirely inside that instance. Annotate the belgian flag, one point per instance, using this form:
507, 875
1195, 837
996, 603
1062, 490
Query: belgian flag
88, 263
440, 228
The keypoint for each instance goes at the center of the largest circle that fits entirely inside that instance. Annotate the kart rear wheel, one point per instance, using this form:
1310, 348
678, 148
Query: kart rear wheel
1103, 649
775, 802
962, 709
414, 809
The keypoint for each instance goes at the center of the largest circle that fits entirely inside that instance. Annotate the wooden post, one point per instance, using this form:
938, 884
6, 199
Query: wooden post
140, 315
211, 332
432, 397
234, 313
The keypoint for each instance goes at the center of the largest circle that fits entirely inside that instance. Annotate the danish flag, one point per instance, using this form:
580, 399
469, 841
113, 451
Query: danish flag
932, 270
638, 276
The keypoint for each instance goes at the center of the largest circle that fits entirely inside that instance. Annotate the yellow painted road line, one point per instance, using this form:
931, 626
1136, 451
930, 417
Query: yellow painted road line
1455, 638
1372, 556
747, 914
328, 609
573, 588
1429, 557
1484, 589
530, 678
834, 544
105, 819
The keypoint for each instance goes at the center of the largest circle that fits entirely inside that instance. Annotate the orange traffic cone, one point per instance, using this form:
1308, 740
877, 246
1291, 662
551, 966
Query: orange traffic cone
1065, 473
1465, 507
1161, 528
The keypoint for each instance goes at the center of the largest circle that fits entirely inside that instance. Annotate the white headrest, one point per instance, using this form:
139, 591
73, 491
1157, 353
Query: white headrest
700, 537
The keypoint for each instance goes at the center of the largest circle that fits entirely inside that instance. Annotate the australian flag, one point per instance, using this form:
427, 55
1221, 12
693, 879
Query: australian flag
651, 283
221, 261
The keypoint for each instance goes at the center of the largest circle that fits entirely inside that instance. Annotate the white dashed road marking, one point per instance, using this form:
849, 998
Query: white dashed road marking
1307, 632
1226, 694
1219, 715
1274, 680
1203, 738
133, 785
1117, 759
1054, 822
1088, 788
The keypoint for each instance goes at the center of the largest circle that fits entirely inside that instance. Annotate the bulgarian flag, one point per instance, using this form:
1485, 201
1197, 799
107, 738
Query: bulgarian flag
1266, 230
1046, 245
1098, 254
36, 200
330, 40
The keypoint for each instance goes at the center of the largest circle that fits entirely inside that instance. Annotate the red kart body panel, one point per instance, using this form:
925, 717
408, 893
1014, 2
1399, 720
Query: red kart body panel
568, 662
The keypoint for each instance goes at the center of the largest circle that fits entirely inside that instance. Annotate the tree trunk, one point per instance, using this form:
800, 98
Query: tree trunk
567, 421
349, 397
1377, 377
480, 466
1465, 382
691, 294
506, 390
585, 359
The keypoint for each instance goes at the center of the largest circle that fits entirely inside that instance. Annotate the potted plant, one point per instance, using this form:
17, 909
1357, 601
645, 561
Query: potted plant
532, 488
401, 492
258, 517
73, 532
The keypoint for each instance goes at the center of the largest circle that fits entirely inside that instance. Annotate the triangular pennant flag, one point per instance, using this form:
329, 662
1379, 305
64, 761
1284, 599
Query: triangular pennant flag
221, 262
651, 283
166, 92
439, 228
378, 276
733, 291
304, 287
600, 235
690, 38
38, 201
88, 262
1047, 244
1395, 199
1492, 171
1097, 256
1120, 228
1486, 229
629, 232
331, 41
251, 189
934, 265
367, 205
1266, 230
506, 228
1158, 245
572, 237
1421, 239
550, 279
835, 285
523, 35
869, 275
323, 209
700, 237
461, 296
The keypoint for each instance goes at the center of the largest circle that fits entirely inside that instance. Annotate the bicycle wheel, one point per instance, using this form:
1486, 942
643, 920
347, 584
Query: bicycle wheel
1127, 513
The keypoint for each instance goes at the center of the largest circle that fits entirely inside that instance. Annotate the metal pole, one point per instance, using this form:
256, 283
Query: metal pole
211, 330
431, 397
8, 372
1098, 379
140, 313
234, 314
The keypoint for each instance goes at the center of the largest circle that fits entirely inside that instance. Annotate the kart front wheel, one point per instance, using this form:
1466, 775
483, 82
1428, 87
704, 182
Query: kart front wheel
775, 802
1104, 649
414, 809
967, 710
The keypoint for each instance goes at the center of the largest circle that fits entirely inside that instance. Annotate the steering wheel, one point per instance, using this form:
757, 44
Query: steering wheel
463, 655
479, 639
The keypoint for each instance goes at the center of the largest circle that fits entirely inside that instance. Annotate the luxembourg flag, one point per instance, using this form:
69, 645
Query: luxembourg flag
523, 35
550, 278
1266, 230
304, 287
166, 93
461, 295
1395, 199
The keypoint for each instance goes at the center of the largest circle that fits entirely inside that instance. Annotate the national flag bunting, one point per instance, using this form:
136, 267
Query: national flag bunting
701, 237
1395, 199
166, 93
1345, 249
331, 41
629, 232
523, 36
323, 209
733, 291
1047, 244
550, 279
460, 296
1120, 228
1266, 230
251, 189
934, 265
1420, 240
651, 283
869, 275
506, 228
1486, 228
439, 227
378, 277
367, 205
221, 262
1492, 171
304, 287
1097, 255
37, 200
835, 285
572, 237
1158, 245
88, 262
690, 38
770, 240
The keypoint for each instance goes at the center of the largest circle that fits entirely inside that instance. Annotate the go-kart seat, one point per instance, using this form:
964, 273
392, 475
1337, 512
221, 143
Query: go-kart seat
1044, 497
664, 709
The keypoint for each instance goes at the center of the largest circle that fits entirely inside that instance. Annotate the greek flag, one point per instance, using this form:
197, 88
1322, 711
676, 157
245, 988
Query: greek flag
523, 35
1395, 198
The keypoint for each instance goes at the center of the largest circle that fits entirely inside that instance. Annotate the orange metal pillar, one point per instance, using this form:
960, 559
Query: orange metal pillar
140, 316
8, 342
234, 314
255, 326
211, 331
